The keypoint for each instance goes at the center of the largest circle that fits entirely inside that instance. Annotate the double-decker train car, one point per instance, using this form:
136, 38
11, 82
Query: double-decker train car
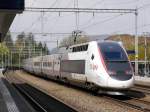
94, 65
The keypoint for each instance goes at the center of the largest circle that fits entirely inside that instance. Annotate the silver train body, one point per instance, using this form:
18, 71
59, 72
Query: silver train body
100, 65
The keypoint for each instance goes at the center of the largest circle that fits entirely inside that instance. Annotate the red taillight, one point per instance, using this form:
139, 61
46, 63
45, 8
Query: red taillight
110, 72
129, 72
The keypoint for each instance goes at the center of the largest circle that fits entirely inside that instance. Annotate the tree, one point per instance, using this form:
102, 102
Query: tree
45, 49
3, 53
129, 44
19, 44
30, 45
9, 42
40, 47
3, 49
17, 54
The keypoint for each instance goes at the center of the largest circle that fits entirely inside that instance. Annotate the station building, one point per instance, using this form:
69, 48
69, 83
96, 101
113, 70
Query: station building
8, 11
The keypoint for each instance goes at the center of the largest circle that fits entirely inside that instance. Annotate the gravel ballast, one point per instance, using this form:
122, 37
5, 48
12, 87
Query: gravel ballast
83, 101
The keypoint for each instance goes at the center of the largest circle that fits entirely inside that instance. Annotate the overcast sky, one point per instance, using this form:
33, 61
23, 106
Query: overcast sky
98, 24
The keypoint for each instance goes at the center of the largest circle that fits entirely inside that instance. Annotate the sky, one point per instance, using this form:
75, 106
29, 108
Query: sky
97, 24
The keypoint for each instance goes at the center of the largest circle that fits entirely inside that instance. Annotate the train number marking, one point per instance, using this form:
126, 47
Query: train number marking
93, 66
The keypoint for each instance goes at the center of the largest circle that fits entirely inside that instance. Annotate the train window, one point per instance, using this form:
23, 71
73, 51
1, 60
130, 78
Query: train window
86, 47
36, 63
77, 49
73, 66
92, 57
74, 49
45, 64
112, 52
80, 48
49, 64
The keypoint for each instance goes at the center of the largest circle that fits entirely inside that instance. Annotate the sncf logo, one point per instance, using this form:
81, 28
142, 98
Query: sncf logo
93, 66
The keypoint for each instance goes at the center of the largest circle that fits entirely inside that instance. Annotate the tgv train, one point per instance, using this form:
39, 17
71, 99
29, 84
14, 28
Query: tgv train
93, 65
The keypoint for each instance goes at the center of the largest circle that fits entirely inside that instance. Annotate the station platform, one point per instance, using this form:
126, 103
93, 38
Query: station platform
10, 99
142, 80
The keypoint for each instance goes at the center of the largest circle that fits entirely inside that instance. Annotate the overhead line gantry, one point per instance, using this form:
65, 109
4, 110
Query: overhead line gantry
94, 10
79, 10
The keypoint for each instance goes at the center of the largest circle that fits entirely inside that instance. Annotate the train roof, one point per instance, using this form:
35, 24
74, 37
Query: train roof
69, 48
59, 50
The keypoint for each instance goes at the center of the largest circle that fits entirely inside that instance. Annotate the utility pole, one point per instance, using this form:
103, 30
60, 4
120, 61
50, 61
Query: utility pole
2, 61
145, 46
42, 22
136, 42
145, 55
76, 14
11, 59
19, 61
57, 44
29, 49
75, 34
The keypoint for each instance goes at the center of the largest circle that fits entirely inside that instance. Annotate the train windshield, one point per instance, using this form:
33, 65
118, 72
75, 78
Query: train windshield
116, 61
112, 52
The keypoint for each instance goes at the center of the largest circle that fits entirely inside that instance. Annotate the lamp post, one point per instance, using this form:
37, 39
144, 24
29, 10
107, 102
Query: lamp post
146, 34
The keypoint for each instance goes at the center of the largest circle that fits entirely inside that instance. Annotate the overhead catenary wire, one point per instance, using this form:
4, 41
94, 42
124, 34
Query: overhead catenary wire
102, 21
129, 29
77, 10
92, 18
124, 2
143, 6
69, 3
86, 10
39, 33
54, 3
39, 18
97, 3
57, 17
33, 2
76, 14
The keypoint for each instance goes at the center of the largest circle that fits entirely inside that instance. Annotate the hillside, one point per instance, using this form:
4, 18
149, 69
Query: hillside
128, 42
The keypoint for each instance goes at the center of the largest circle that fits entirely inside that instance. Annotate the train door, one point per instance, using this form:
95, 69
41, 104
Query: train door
56, 66
50, 66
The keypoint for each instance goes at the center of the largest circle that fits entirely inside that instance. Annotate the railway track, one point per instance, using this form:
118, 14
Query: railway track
40, 101
134, 97
127, 101
135, 103
132, 102
142, 88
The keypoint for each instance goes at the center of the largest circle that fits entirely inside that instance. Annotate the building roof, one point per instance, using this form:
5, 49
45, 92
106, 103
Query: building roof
8, 11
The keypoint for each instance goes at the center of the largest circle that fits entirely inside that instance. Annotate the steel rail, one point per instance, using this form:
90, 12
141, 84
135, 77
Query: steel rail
134, 103
131, 104
22, 91
41, 106
142, 88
